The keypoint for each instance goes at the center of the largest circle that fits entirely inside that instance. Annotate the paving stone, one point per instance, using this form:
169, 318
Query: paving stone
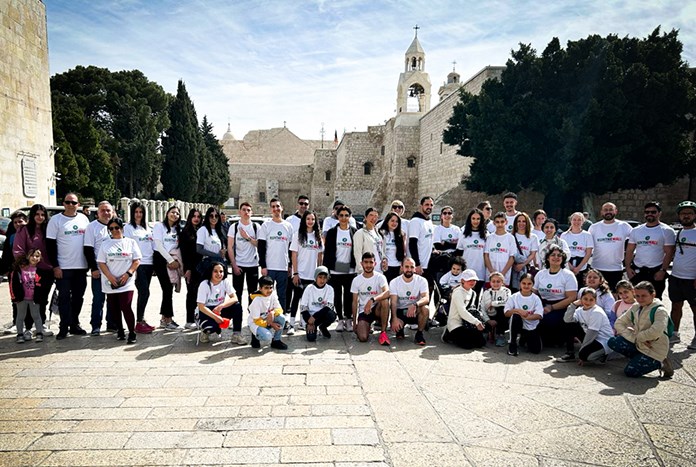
101, 413
351, 399
407, 418
232, 456
27, 414
337, 379
22, 458
148, 402
291, 411
50, 393
332, 421
17, 441
175, 439
286, 381
127, 381
224, 424
174, 424
77, 402
493, 458
23, 403
426, 455
74, 441
217, 401
678, 441
353, 409
319, 369
36, 426
193, 412
135, 457
256, 411
279, 437
295, 391
355, 436
295, 454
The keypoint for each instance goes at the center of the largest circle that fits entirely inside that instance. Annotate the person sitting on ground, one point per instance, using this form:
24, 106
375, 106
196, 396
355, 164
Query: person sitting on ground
409, 301
492, 304
370, 293
317, 305
589, 322
605, 300
217, 302
465, 326
266, 320
641, 335
525, 310
626, 293
452, 279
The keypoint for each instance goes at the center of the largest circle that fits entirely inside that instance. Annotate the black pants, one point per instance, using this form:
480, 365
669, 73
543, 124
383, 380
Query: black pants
323, 317
143, 277
343, 299
392, 273
531, 337
167, 306
192, 295
465, 337
297, 293
501, 320
648, 274
71, 293
252, 279
233, 312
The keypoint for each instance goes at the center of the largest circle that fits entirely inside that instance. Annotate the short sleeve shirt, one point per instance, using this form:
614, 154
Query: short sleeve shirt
367, 288
69, 234
407, 293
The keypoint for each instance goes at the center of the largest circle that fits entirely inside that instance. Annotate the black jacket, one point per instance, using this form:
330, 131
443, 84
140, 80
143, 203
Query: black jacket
330, 248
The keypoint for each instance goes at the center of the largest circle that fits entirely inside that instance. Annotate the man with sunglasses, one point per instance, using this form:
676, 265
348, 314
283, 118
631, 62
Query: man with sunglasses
65, 235
682, 281
609, 236
650, 249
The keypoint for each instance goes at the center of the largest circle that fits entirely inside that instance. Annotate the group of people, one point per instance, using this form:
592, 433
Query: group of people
508, 277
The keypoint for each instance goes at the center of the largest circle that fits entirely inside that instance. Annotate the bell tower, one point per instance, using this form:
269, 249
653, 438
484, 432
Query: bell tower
413, 91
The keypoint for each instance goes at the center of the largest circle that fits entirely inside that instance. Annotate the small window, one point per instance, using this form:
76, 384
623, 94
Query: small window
327, 174
381, 151
367, 168
262, 197
411, 162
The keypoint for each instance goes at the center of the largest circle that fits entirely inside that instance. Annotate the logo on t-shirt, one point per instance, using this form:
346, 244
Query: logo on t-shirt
610, 235
369, 288
408, 293
549, 286
575, 243
525, 307
475, 242
449, 236
498, 245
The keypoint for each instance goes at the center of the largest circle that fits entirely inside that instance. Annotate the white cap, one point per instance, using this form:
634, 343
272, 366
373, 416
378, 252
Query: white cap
469, 275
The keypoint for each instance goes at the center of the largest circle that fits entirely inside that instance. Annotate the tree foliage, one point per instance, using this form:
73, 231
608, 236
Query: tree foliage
218, 181
605, 113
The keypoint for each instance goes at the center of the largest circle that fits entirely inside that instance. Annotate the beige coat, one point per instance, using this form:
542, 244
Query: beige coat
650, 338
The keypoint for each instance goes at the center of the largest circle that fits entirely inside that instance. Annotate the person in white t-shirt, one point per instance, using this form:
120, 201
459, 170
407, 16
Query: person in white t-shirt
275, 236
138, 230
550, 228
370, 300
398, 208
118, 260
266, 320
609, 237
650, 249
588, 322
445, 238
525, 311
65, 235
166, 237
511, 212
96, 233
538, 219
217, 302
472, 243
395, 244
368, 239
580, 245
527, 248
307, 252
241, 247
409, 301
499, 253
682, 282
302, 207
332, 220
338, 258
420, 232
317, 305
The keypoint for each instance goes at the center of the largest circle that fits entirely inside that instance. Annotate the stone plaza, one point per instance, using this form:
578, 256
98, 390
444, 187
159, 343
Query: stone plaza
90, 401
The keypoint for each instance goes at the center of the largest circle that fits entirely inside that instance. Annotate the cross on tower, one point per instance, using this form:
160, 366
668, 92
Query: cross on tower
416, 28
454, 64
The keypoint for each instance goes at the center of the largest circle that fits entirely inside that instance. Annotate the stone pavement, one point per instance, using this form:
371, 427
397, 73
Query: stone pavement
90, 401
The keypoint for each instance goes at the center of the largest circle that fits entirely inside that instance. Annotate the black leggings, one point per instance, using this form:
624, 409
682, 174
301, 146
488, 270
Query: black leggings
192, 295
252, 278
531, 336
297, 295
465, 337
343, 299
167, 307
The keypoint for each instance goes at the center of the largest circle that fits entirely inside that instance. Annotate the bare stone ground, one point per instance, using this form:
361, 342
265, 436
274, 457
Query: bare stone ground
88, 401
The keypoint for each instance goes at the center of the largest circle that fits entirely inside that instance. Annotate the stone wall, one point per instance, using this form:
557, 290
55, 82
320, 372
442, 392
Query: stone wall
401, 140
26, 133
352, 186
322, 190
274, 146
286, 182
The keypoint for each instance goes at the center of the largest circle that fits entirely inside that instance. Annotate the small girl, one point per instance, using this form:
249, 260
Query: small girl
25, 283
590, 323
524, 309
625, 291
492, 304
605, 300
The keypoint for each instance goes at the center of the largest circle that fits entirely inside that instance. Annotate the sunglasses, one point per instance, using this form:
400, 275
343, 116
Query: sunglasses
303, 203
397, 207
73, 203
344, 215
114, 228
650, 212
447, 213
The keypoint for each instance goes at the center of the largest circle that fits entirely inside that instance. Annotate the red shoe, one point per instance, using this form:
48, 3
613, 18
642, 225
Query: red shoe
143, 328
384, 339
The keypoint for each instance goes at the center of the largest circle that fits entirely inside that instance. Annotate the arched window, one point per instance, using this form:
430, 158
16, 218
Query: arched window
411, 162
327, 174
381, 151
367, 168
262, 197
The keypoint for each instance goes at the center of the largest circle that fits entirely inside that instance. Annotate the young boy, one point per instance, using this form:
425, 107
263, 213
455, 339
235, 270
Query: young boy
451, 279
317, 305
266, 319
492, 304
499, 254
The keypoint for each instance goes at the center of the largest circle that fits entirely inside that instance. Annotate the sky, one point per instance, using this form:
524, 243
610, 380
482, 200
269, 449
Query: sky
265, 63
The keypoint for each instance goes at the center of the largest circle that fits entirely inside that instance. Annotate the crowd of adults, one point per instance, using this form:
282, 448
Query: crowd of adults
509, 277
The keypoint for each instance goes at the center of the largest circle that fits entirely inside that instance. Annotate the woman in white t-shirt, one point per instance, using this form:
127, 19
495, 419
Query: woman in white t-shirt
138, 230
527, 247
307, 252
550, 228
471, 245
538, 219
118, 259
580, 244
394, 245
191, 259
217, 302
166, 237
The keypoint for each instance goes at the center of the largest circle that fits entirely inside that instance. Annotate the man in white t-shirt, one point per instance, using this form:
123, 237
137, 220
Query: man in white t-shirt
682, 281
510, 205
241, 249
501, 246
65, 235
420, 243
370, 293
409, 301
302, 207
609, 237
95, 235
650, 249
275, 236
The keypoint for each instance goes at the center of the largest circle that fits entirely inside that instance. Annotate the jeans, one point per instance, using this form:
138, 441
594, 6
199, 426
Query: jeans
639, 364
143, 277
98, 299
266, 334
71, 293
281, 280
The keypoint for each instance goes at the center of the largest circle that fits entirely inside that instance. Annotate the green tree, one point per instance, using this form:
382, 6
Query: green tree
182, 146
218, 183
603, 114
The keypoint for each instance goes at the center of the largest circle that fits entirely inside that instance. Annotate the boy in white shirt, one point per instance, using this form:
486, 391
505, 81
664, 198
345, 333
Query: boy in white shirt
266, 318
370, 293
317, 305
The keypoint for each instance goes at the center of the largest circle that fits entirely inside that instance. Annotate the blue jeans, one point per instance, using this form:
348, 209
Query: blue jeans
71, 294
639, 364
281, 280
266, 334
98, 299
143, 276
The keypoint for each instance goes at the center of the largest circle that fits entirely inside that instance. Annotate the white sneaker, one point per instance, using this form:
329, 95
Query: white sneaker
349, 325
291, 330
47, 332
190, 326
27, 335
692, 346
300, 325
675, 338
171, 326
205, 338
11, 330
238, 338
340, 326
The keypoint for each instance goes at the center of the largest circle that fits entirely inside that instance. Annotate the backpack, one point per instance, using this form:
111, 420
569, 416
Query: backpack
669, 331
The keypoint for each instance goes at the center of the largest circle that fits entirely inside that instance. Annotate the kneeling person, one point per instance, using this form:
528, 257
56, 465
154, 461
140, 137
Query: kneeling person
217, 302
266, 318
409, 301
370, 293
317, 305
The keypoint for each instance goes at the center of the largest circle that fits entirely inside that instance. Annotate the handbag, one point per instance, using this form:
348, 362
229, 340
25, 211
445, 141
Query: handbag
473, 311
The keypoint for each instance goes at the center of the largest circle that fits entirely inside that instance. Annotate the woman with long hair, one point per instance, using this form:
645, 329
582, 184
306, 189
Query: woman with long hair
527, 248
138, 230
166, 237
307, 252
394, 244
580, 244
190, 258
472, 243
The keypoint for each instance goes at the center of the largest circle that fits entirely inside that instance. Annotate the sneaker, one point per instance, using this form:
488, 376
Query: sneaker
400, 334
675, 338
163, 324
667, 369
172, 326
95, 332
148, 326
77, 331
205, 337
174, 323
20, 339
420, 339
238, 339
39, 337
500, 341
340, 325
27, 335
507, 335
111, 329
566, 358
61, 335
131, 338
413, 327
47, 332
349, 325
280, 345
692, 346
312, 335
325, 332
290, 331
143, 328
513, 352
384, 339
190, 326
300, 325
121, 335
11, 330
255, 343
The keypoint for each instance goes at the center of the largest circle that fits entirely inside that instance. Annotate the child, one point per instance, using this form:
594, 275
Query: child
492, 304
218, 301
25, 283
451, 279
465, 325
317, 305
266, 318
605, 300
524, 309
594, 328
626, 292
499, 254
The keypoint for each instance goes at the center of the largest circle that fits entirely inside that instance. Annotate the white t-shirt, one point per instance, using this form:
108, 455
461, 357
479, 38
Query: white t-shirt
553, 287
390, 250
331, 222
294, 222
95, 234
604, 300
69, 234
143, 237
307, 255
407, 293
278, 236
490, 226
314, 299
650, 243
260, 307
210, 241
118, 255
344, 249
530, 303
510, 222
422, 230
449, 234
450, 280
473, 247
245, 253
578, 244
367, 288
609, 240
212, 295
595, 319
169, 239
527, 244
539, 233
500, 248
684, 264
